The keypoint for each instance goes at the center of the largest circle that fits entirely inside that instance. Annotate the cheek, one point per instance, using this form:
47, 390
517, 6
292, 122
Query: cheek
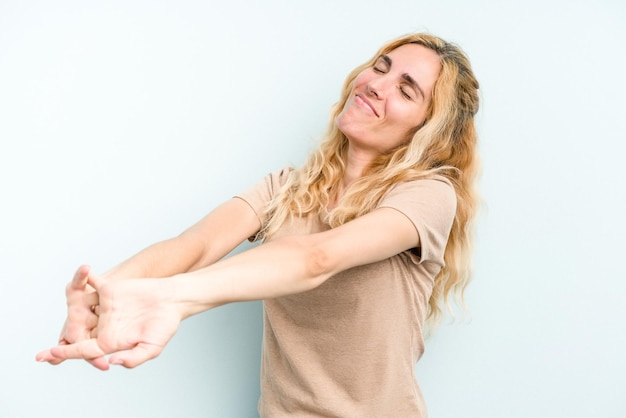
362, 79
407, 119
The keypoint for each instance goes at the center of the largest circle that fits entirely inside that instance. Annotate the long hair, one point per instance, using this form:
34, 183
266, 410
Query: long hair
446, 144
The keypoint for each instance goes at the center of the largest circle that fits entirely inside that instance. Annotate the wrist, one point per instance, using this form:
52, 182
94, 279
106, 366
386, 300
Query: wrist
191, 294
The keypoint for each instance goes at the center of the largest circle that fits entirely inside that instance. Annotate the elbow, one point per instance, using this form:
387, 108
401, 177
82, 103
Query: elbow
307, 259
318, 263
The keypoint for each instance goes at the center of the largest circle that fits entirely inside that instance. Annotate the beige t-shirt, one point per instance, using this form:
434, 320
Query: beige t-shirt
348, 347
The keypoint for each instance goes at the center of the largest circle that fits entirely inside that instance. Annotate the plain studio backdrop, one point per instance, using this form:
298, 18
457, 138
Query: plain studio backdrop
124, 122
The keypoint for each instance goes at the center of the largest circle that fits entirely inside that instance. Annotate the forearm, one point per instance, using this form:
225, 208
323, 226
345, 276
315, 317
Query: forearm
163, 259
295, 264
282, 267
204, 243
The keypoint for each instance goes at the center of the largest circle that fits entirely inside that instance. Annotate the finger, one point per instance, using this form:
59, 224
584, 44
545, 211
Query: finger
46, 356
139, 354
50, 358
94, 281
80, 278
91, 299
86, 349
95, 309
100, 363
91, 322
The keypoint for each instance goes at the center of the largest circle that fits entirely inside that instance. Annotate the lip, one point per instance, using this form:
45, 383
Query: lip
362, 101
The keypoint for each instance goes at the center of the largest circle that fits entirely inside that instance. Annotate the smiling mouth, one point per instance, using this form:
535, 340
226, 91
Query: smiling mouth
365, 103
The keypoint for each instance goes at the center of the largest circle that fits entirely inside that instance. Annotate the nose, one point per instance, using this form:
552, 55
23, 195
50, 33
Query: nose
371, 91
375, 88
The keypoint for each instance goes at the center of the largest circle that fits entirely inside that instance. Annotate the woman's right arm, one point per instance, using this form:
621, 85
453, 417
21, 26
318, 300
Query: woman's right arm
202, 244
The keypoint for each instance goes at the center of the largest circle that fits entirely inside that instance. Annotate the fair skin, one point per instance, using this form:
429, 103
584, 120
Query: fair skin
137, 316
387, 102
200, 245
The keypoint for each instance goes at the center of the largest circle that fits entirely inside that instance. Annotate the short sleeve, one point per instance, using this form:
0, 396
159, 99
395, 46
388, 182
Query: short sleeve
430, 204
259, 195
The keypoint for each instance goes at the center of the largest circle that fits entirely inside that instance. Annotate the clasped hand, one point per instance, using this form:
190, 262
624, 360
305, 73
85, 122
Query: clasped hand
129, 320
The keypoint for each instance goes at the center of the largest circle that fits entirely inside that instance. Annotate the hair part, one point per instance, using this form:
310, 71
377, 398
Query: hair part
445, 144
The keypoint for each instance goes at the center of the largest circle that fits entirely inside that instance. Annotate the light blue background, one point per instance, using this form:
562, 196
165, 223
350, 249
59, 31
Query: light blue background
123, 122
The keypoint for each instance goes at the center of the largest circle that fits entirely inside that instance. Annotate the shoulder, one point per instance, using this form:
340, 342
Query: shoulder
430, 204
269, 184
435, 189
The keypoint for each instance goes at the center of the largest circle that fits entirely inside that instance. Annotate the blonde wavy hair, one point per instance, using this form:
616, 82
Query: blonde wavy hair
446, 144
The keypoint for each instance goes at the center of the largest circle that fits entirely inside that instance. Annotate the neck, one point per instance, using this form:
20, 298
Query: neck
357, 160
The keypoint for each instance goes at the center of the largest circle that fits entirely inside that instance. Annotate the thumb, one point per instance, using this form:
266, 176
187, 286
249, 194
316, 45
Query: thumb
139, 354
94, 280
79, 281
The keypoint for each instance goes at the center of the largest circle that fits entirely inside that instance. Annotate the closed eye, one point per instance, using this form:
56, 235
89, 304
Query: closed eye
382, 64
405, 94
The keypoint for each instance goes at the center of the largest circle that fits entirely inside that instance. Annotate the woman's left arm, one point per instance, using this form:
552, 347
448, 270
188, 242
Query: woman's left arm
295, 264
138, 317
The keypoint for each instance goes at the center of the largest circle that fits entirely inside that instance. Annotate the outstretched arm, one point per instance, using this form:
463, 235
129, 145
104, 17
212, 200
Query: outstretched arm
202, 244
138, 317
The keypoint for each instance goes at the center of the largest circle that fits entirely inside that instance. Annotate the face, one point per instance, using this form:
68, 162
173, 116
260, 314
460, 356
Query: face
389, 100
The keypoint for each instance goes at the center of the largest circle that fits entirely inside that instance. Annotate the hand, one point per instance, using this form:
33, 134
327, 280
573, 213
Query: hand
81, 318
137, 317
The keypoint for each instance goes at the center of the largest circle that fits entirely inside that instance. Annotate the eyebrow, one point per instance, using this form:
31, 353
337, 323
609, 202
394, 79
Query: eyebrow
405, 76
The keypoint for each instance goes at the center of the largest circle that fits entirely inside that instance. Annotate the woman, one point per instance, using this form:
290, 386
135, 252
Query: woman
361, 246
